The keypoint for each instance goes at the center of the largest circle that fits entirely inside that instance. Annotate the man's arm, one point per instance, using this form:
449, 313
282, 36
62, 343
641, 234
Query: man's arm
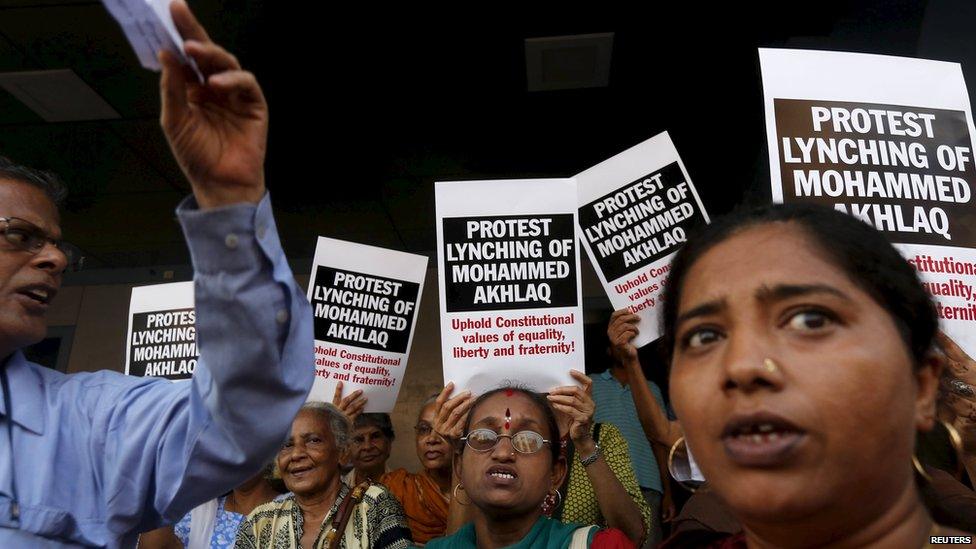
657, 427
168, 447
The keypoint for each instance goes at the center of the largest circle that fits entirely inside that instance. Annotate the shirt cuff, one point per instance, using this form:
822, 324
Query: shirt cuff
229, 238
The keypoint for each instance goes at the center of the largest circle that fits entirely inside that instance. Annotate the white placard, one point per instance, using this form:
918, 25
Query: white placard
635, 211
510, 298
888, 140
161, 340
364, 305
149, 28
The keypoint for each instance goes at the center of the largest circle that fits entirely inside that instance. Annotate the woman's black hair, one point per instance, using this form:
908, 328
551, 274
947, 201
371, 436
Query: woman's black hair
378, 420
538, 399
862, 252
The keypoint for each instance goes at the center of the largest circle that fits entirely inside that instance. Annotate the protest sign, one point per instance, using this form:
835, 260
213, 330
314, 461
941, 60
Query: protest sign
510, 296
889, 141
635, 210
364, 305
162, 337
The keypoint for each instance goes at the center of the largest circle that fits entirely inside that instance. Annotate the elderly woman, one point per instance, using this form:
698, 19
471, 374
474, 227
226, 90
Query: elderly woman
802, 366
320, 506
369, 449
425, 495
508, 463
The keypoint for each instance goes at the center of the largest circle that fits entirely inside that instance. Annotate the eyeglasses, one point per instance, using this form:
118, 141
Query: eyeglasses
485, 440
30, 238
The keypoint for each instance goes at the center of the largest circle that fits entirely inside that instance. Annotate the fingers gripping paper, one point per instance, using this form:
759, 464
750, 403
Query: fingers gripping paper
508, 269
889, 141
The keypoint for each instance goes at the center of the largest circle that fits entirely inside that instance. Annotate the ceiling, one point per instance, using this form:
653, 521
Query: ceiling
369, 107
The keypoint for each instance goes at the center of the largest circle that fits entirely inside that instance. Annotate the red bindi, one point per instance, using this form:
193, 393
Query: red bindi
509, 392
508, 418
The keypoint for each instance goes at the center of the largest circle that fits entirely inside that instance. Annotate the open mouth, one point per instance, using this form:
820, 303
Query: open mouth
299, 471
42, 295
502, 475
761, 439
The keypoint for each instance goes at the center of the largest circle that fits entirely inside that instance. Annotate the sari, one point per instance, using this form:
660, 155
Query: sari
423, 504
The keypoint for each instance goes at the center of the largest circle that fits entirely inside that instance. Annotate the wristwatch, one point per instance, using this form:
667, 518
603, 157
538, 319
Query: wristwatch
591, 459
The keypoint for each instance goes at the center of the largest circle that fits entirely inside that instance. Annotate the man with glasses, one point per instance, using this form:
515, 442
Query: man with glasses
93, 459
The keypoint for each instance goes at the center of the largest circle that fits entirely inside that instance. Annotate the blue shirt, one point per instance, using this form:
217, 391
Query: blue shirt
226, 524
100, 456
615, 404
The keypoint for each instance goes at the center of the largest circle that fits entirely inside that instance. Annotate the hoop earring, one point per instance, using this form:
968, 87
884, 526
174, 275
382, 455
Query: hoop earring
457, 497
954, 438
686, 484
919, 469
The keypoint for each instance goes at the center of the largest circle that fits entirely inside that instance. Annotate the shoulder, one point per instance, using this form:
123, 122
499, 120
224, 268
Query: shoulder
380, 495
396, 477
464, 537
274, 507
611, 434
613, 442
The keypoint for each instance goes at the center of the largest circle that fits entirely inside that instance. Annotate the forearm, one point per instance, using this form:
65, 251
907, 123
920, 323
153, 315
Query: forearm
255, 339
655, 423
615, 503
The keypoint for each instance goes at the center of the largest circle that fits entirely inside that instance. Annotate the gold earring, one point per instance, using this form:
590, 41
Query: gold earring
687, 484
954, 437
919, 469
770, 365
455, 492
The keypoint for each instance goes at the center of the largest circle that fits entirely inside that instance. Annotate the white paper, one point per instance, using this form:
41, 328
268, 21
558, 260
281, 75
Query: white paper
364, 304
496, 330
892, 102
635, 211
149, 28
161, 337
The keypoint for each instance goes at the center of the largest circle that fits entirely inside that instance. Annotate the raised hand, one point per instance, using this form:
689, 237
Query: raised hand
352, 404
450, 413
576, 403
959, 391
622, 330
217, 130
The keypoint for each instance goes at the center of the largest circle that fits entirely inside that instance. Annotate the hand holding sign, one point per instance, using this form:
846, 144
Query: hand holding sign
622, 331
450, 413
217, 130
575, 405
352, 405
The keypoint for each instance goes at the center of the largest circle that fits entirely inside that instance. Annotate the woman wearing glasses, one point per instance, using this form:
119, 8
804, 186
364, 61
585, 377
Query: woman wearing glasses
508, 463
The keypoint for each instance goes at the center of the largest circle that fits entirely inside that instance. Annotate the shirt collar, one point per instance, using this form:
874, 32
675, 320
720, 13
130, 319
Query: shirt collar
26, 394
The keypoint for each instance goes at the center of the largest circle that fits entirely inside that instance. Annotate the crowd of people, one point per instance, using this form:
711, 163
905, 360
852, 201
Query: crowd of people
809, 390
